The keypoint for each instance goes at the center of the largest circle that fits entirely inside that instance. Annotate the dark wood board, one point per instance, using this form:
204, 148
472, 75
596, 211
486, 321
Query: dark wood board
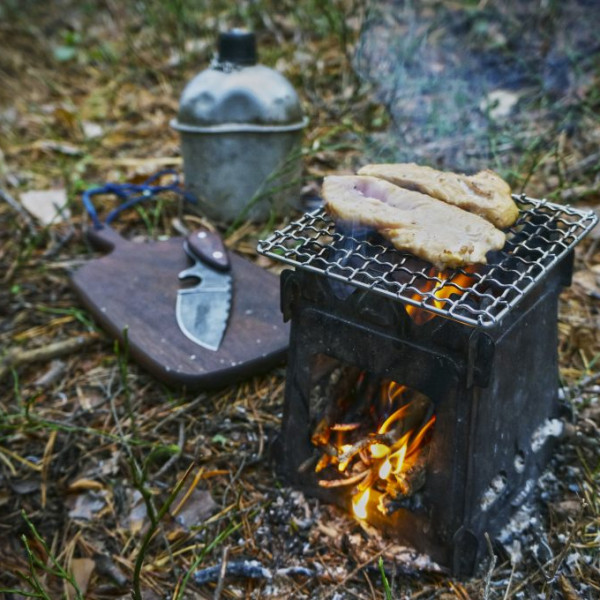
134, 287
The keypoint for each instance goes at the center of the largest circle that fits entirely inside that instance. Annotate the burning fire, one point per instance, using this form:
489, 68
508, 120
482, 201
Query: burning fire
381, 454
442, 285
359, 503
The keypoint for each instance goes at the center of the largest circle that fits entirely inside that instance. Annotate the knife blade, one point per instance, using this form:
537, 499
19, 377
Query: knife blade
202, 311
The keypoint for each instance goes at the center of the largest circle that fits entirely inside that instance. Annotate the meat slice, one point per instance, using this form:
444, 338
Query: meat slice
440, 233
485, 194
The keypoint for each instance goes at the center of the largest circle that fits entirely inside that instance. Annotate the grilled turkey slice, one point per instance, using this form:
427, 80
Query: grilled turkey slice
440, 233
485, 194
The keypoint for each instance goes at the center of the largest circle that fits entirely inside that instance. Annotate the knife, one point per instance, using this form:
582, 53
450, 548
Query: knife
202, 311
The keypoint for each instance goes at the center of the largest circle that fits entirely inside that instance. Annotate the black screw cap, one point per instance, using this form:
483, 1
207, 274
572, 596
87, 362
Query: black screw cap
237, 46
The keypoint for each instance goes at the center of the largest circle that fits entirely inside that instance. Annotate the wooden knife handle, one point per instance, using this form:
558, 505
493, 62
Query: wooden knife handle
209, 248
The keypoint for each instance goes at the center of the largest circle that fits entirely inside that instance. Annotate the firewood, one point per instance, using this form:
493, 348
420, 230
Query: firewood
381, 438
410, 480
347, 481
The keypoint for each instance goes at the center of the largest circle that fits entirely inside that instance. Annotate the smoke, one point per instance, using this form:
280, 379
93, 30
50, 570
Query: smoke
470, 85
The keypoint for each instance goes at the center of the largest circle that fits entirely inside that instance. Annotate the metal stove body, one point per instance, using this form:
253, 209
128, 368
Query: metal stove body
488, 363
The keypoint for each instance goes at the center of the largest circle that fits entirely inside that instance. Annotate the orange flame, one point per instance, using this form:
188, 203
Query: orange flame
442, 285
393, 418
415, 444
382, 461
359, 503
400, 455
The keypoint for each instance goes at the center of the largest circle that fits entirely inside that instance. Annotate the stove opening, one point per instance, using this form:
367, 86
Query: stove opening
370, 436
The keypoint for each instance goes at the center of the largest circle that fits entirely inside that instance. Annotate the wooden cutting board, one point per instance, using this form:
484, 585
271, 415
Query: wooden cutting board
134, 287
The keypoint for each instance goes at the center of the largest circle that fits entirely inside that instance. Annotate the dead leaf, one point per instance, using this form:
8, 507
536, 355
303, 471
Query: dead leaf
138, 515
567, 508
81, 569
106, 567
87, 505
25, 486
588, 281
197, 507
89, 398
92, 130
47, 206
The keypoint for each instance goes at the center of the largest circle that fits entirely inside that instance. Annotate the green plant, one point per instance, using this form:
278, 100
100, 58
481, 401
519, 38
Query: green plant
50, 566
386, 585
155, 519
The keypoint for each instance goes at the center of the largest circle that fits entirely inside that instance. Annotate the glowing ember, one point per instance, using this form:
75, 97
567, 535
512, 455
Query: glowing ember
382, 450
359, 503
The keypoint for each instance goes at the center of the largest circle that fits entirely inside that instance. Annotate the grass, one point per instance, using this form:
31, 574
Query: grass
386, 586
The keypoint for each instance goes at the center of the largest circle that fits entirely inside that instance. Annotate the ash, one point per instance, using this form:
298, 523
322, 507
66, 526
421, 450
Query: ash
323, 545
547, 535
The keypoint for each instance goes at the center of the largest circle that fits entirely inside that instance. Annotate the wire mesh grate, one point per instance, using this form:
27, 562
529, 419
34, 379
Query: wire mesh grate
476, 295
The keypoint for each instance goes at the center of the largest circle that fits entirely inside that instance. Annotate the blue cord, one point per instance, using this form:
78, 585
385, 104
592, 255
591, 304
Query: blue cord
131, 194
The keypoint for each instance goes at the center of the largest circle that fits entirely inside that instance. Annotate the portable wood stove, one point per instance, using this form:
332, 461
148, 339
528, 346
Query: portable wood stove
425, 401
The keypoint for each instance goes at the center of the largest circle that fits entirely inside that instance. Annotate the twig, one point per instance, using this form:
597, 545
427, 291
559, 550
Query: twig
18, 458
17, 358
180, 411
561, 555
56, 370
233, 480
382, 438
177, 507
222, 572
180, 444
490, 571
542, 568
60, 244
4, 195
582, 165
512, 572
46, 459
330, 483
567, 589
